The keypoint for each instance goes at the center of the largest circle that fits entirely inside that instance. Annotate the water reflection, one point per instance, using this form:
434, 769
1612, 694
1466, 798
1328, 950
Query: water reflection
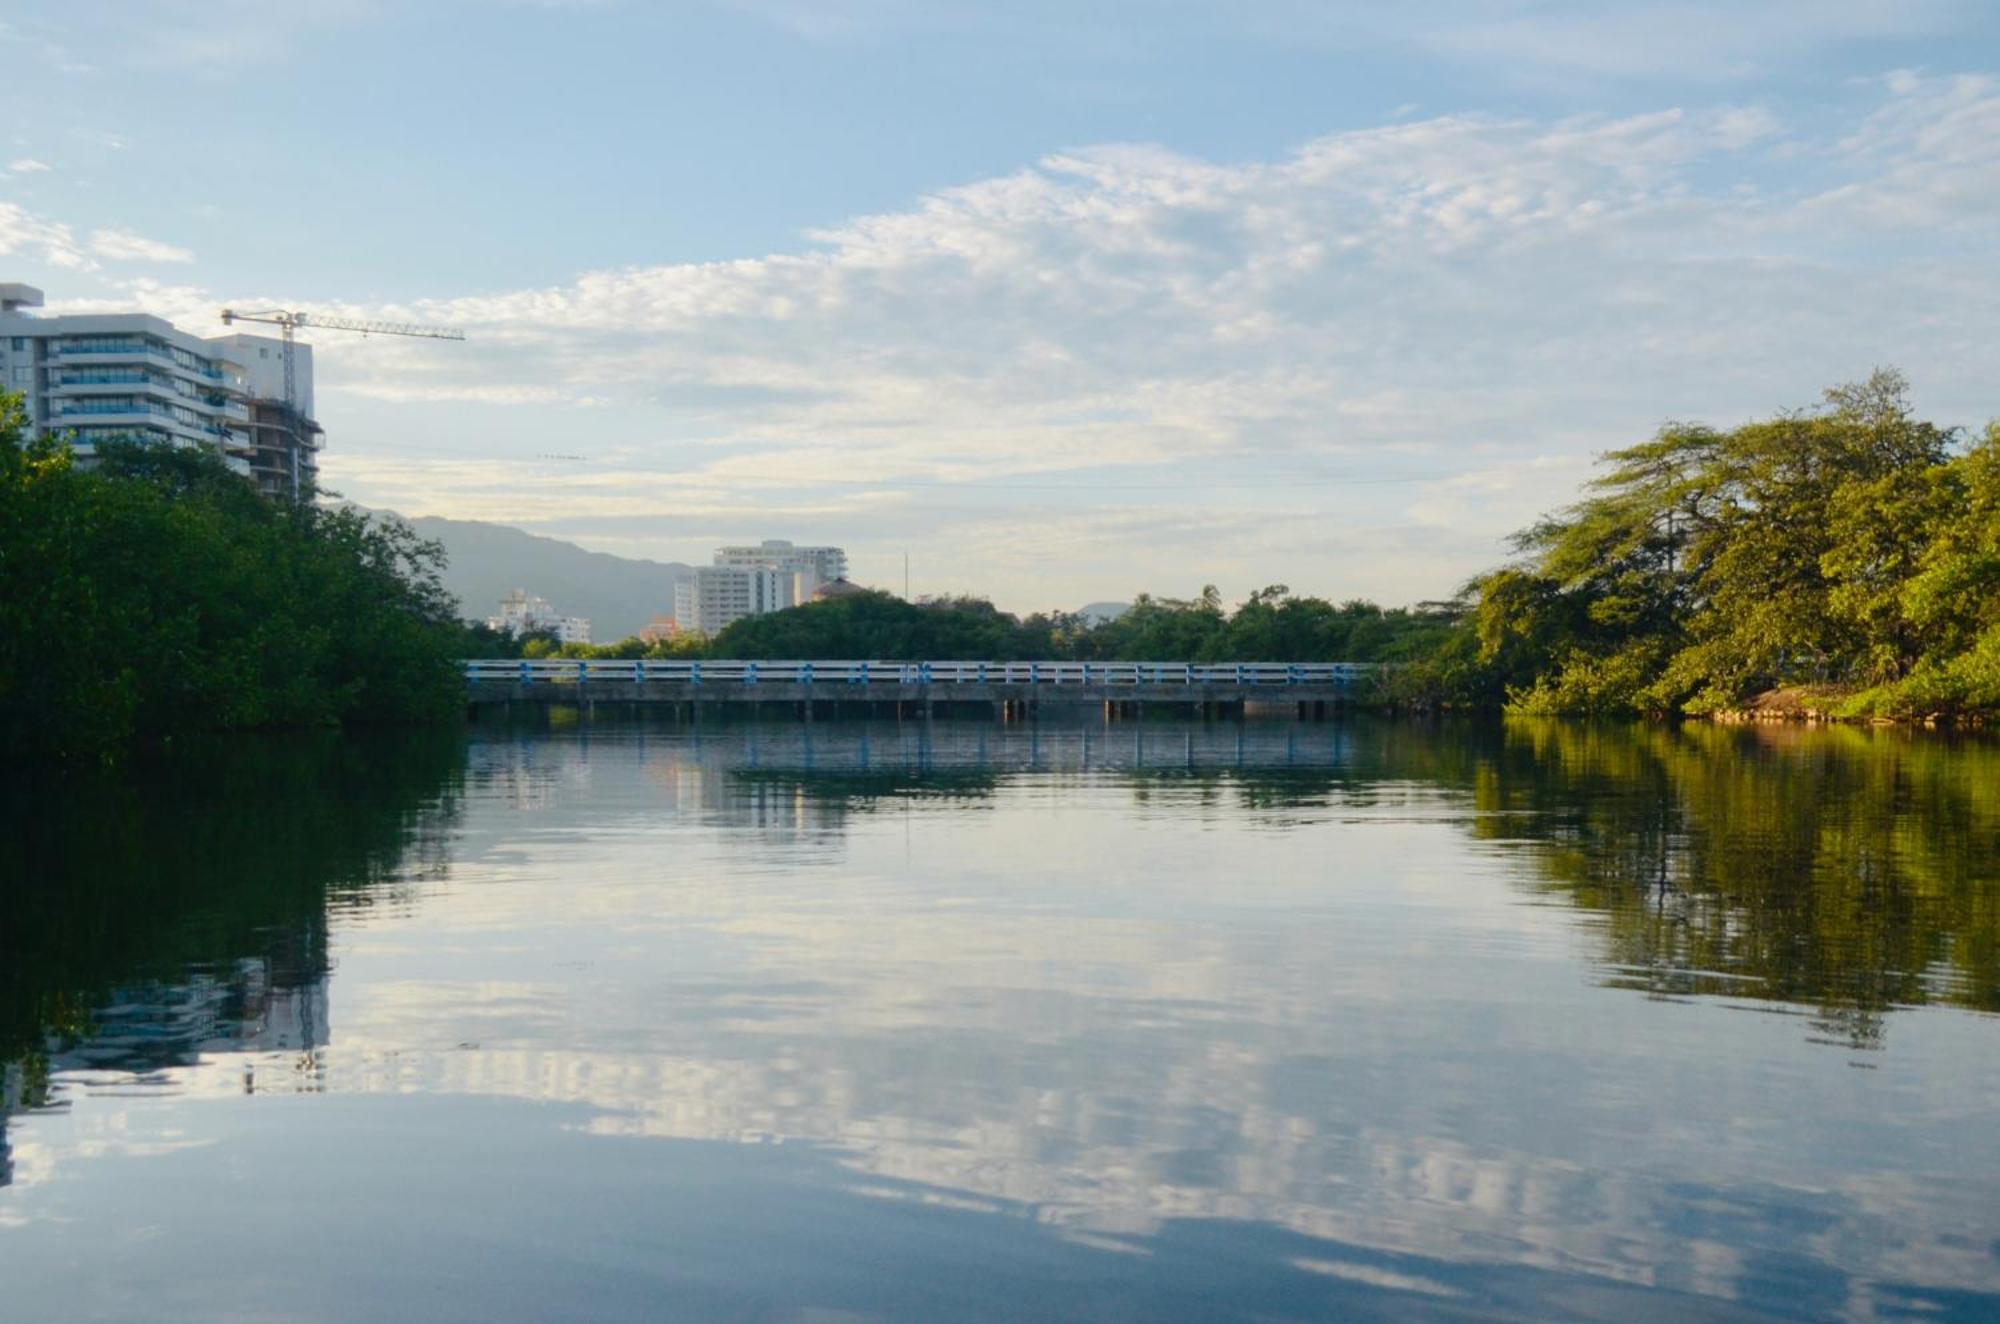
154, 919
1238, 1019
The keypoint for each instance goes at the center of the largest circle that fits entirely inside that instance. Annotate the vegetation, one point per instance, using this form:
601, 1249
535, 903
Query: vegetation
1273, 626
1849, 555
155, 594
1845, 558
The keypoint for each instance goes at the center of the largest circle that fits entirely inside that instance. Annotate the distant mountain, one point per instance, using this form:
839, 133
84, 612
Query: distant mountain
619, 595
1097, 613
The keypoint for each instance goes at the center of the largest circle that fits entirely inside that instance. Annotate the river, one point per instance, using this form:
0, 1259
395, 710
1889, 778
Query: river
763, 1021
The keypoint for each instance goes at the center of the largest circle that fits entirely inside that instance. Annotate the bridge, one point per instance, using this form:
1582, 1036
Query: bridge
1008, 691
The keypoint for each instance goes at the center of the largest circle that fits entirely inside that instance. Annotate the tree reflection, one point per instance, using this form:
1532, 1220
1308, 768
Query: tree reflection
147, 915
1849, 870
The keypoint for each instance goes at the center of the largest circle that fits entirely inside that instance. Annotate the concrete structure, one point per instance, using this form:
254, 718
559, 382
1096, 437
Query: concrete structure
809, 566
715, 595
1008, 691
284, 442
522, 613
106, 376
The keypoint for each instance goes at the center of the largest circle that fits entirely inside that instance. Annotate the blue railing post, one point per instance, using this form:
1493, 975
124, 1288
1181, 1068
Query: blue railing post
694, 673
750, 674
524, 671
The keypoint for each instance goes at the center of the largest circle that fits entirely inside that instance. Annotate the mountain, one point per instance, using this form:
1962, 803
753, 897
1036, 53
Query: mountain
619, 595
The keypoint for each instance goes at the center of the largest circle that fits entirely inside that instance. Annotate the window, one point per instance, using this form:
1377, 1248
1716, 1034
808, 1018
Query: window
20, 342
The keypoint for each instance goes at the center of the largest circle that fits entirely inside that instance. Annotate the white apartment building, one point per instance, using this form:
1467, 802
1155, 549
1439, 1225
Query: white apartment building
522, 613
809, 566
714, 595
105, 376
120, 375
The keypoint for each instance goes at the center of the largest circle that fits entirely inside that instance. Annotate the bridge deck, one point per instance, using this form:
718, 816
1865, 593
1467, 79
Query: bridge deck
1028, 684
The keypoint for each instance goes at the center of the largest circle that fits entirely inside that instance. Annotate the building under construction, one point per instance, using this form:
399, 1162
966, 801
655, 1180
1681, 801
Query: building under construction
103, 377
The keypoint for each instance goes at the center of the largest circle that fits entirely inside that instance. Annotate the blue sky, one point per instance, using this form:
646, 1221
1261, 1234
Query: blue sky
1069, 301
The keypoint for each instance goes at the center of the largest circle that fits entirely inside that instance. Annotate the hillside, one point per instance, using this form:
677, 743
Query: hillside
618, 594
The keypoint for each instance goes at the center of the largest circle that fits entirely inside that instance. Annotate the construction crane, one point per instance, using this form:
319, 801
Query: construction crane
288, 321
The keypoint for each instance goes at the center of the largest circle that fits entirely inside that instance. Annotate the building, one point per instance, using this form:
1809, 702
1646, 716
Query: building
660, 630
809, 566
103, 377
714, 595
131, 376
521, 613
284, 441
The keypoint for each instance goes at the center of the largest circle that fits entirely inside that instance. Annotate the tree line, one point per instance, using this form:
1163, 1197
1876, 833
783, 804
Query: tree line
1844, 559
1273, 625
155, 593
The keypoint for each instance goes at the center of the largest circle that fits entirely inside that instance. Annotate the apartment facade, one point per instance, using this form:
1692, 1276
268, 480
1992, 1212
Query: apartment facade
713, 596
522, 613
809, 566
116, 376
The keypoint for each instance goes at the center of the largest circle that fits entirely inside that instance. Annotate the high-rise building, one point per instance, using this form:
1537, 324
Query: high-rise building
284, 441
809, 566
714, 595
522, 613
131, 376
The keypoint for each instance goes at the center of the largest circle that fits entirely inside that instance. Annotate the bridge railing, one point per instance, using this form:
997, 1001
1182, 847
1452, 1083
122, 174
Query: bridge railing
502, 671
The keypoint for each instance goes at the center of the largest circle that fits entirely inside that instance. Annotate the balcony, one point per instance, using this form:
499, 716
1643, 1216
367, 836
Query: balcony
87, 380
130, 348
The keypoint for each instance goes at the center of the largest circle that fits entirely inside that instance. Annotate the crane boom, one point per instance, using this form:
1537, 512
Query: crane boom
288, 321
380, 328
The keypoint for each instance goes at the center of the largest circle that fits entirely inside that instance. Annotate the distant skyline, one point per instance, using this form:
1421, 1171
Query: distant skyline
1068, 305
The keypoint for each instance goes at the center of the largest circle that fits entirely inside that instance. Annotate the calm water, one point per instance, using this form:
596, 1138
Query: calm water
1181, 1022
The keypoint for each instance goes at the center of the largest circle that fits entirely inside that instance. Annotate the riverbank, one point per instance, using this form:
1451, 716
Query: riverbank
1835, 704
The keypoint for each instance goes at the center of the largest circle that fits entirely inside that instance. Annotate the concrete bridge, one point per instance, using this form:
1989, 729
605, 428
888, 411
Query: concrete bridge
1008, 691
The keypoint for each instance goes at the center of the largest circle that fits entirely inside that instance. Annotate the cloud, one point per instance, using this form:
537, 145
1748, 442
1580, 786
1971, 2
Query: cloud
28, 165
124, 246
1121, 331
28, 235
1354, 367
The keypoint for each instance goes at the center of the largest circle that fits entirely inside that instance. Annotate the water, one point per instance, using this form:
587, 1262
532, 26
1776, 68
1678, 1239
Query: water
1132, 1022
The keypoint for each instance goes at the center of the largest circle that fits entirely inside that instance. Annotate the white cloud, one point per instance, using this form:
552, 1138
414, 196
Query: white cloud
28, 165
30, 236
1125, 367
124, 246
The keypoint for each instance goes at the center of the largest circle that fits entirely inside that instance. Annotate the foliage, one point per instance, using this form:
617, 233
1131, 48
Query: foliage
156, 594
1851, 546
1272, 626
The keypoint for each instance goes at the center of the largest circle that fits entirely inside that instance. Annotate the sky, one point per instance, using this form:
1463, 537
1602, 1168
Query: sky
1065, 302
